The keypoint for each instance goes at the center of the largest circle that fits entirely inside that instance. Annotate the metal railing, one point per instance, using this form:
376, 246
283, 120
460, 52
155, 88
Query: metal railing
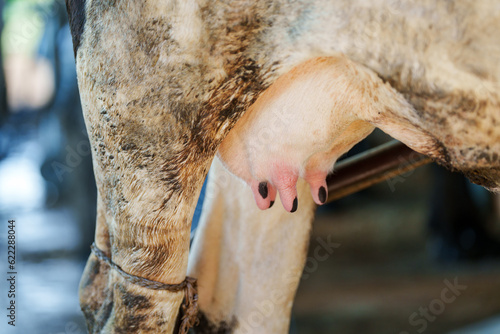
373, 166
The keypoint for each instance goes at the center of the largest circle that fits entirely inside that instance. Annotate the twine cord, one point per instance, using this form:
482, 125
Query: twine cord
190, 304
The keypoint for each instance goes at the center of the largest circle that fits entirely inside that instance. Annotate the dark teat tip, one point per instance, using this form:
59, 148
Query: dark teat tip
295, 205
263, 189
322, 195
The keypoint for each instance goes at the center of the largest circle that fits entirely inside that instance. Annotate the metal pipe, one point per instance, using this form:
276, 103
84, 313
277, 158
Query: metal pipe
373, 166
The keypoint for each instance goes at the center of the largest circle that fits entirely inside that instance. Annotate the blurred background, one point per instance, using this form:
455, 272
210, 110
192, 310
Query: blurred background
418, 253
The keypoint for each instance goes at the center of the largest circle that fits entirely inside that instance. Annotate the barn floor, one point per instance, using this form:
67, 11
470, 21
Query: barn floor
381, 273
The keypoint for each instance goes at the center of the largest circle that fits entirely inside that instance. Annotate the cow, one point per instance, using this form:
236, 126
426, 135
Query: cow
277, 90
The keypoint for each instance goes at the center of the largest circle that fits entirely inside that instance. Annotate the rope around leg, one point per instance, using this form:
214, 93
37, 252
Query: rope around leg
190, 304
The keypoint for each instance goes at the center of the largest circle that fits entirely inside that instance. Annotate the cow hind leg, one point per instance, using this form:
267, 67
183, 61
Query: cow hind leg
248, 262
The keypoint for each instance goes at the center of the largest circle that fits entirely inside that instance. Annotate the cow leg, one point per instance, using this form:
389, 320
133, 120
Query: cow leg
156, 102
155, 113
248, 262
145, 210
151, 147
95, 296
147, 238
